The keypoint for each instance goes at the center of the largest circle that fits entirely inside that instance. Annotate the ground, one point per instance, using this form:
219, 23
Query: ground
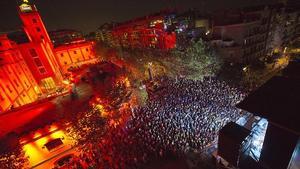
63, 109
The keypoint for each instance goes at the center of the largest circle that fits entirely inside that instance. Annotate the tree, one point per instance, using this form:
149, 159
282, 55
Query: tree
197, 60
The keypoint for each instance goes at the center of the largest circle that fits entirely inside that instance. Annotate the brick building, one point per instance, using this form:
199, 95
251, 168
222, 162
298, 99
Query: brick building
72, 49
31, 64
145, 32
241, 36
17, 84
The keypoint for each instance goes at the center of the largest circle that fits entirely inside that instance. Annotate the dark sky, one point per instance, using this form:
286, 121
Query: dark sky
87, 15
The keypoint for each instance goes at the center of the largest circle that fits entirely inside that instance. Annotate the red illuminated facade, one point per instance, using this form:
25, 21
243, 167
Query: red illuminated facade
31, 65
71, 49
17, 83
147, 32
38, 52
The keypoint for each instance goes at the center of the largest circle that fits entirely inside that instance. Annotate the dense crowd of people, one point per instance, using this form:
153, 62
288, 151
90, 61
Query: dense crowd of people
182, 115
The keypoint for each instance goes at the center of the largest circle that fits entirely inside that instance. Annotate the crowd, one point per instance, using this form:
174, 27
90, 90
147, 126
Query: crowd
183, 115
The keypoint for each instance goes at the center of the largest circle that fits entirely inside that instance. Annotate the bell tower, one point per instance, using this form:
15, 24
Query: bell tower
39, 51
33, 23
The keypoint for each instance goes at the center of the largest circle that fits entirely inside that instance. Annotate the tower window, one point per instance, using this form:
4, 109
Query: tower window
33, 53
0, 44
34, 20
62, 55
42, 70
65, 63
87, 49
38, 29
38, 62
75, 52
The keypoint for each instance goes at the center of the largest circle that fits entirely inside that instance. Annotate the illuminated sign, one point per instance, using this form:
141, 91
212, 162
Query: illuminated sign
25, 8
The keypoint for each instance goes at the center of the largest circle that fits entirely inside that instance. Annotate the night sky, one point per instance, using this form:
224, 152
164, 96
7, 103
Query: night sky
87, 15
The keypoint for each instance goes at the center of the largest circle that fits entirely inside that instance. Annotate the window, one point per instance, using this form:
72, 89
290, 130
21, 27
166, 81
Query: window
62, 55
33, 53
38, 62
34, 20
52, 144
9, 89
26, 84
38, 29
65, 63
0, 44
75, 52
42, 70
87, 49
1, 98
17, 84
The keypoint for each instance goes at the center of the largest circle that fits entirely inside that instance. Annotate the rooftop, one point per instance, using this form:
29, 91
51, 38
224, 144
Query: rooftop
278, 101
235, 131
63, 31
19, 37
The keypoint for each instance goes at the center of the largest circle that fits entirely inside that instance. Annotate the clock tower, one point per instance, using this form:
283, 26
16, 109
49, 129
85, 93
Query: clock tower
39, 52
33, 23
